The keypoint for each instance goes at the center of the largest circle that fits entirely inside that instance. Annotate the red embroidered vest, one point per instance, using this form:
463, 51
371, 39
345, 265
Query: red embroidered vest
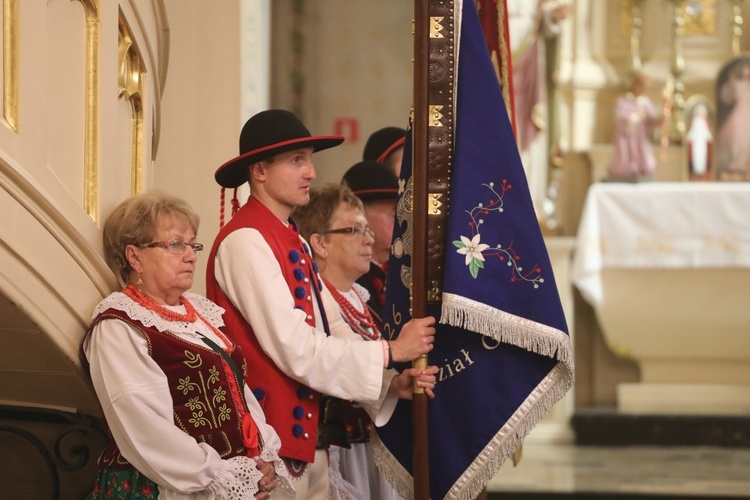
290, 408
200, 383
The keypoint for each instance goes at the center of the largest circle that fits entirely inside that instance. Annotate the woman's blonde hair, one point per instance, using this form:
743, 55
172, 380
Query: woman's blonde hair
135, 222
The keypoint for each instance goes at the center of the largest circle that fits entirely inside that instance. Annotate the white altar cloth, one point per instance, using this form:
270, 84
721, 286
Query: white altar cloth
660, 226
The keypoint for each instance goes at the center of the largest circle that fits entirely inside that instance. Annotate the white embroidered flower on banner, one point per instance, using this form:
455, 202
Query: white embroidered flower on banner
472, 249
477, 253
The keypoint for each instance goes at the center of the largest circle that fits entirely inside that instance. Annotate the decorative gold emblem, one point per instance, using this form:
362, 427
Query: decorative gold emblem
435, 116
436, 27
434, 204
433, 294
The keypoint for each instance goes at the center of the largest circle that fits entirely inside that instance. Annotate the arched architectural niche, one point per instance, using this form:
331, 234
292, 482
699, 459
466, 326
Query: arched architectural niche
51, 268
62, 170
50, 279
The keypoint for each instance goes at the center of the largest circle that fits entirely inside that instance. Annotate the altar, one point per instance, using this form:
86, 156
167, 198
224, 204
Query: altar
666, 267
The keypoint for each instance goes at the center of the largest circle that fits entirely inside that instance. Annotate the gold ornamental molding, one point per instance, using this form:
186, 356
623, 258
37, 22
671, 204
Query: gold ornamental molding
10, 63
130, 87
91, 121
736, 27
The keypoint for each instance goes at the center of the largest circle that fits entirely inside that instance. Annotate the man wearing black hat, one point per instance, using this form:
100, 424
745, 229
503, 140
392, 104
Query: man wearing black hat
377, 186
386, 146
261, 272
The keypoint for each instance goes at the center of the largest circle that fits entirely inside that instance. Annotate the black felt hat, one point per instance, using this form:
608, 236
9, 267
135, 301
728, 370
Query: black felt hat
265, 135
372, 180
382, 142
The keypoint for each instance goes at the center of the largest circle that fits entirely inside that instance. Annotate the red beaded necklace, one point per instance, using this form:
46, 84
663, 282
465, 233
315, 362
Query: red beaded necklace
361, 322
190, 316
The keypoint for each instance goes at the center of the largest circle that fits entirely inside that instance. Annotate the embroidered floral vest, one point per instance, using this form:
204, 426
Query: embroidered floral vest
201, 384
291, 408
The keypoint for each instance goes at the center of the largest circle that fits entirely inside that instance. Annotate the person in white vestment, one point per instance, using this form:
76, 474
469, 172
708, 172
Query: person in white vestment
183, 422
334, 223
700, 139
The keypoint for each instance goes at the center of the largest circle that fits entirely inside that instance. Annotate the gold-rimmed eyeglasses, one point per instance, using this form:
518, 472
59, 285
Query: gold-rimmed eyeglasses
358, 231
175, 246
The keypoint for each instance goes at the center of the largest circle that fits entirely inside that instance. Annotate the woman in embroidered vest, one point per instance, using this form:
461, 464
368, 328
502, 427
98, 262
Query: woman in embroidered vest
171, 384
335, 225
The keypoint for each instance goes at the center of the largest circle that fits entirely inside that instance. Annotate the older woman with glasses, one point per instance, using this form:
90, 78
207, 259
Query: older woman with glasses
183, 422
335, 226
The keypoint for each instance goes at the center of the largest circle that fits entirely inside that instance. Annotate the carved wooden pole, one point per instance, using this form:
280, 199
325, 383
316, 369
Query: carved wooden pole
432, 146
419, 235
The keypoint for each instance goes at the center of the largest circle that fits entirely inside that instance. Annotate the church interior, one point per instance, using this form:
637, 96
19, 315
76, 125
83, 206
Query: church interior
103, 99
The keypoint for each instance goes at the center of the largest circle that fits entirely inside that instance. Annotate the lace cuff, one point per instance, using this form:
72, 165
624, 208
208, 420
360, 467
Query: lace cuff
283, 479
239, 477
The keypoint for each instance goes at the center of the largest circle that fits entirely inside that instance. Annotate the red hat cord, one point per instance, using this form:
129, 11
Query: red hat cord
235, 205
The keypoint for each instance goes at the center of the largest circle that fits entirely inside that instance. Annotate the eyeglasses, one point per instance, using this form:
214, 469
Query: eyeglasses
358, 231
175, 246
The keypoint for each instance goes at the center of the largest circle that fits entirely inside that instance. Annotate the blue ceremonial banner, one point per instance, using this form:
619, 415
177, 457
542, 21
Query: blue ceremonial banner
502, 344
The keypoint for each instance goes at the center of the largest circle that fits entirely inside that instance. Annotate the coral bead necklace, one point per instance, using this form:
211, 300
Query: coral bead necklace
190, 316
361, 322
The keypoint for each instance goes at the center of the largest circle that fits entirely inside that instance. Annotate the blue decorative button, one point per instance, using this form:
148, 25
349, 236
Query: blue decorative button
297, 430
315, 266
300, 292
299, 274
294, 256
306, 248
298, 412
259, 393
303, 392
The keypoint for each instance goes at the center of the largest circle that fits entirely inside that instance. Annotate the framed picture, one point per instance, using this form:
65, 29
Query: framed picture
733, 121
699, 17
699, 138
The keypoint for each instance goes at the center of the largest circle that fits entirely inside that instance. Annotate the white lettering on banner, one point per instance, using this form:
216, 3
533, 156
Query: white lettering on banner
450, 369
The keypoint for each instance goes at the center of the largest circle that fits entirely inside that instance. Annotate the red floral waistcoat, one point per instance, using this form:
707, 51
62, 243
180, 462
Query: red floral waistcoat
208, 400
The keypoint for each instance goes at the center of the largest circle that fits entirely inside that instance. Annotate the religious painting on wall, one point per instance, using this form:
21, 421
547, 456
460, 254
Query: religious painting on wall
733, 121
699, 138
699, 17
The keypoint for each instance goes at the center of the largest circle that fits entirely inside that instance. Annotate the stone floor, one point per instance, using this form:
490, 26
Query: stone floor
638, 472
